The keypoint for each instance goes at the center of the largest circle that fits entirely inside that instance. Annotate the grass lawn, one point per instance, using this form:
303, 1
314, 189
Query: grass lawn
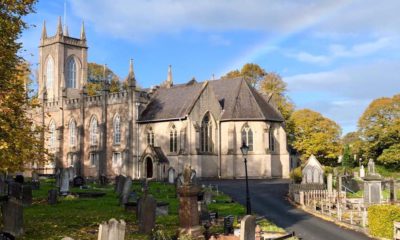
79, 218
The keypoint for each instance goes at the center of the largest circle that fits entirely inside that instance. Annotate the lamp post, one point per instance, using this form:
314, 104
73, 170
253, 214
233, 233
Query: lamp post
245, 149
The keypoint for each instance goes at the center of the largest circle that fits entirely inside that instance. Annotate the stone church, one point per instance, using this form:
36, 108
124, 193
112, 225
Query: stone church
146, 133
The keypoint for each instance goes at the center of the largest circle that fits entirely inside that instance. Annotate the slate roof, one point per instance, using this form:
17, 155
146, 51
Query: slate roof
239, 101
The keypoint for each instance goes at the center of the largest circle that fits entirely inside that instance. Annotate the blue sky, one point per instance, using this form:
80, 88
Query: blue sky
336, 56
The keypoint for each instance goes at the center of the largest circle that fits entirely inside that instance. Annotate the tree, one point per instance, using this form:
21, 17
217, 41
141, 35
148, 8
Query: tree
97, 74
315, 134
252, 71
19, 142
379, 130
273, 86
347, 160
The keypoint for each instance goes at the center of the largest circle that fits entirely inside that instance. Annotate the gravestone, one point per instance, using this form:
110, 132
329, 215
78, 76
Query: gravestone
103, 180
392, 190
193, 177
19, 179
120, 186
64, 188
3, 185
204, 214
162, 209
248, 228
371, 167
126, 191
58, 177
78, 181
71, 174
146, 213
228, 224
12, 212
52, 195
339, 183
171, 176
15, 190
313, 171
362, 171
329, 183
207, 197
26, 195
213, 216
35, 183
112, 230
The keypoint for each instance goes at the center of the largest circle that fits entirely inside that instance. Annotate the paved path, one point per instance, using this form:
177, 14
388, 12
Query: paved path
268, 199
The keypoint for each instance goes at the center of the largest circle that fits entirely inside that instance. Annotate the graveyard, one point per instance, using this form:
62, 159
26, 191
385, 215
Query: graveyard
51, 212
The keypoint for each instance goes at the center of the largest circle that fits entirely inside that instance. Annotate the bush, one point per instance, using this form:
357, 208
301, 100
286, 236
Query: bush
296, 175
381, 218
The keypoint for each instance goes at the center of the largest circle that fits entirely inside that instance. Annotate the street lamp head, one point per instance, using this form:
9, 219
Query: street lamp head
244, 148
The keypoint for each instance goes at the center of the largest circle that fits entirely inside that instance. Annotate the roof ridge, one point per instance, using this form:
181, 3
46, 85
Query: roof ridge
237, 95
205, 84
255, 92
254, 97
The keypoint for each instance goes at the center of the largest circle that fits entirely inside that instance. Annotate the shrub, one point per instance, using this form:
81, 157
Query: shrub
296, 175
381, 218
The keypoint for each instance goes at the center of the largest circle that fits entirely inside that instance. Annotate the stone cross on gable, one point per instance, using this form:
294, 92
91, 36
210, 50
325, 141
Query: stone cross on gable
371, 167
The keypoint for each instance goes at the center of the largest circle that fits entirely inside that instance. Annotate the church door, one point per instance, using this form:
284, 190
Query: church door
149, 167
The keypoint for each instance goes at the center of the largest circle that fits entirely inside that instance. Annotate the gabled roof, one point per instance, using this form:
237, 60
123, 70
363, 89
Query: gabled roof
239, 100
312, 162
156, 153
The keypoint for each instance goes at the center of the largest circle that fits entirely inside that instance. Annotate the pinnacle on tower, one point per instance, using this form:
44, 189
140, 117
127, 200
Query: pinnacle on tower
83, 34
44, 31
59, 27
131, 75
66, 30
169, 82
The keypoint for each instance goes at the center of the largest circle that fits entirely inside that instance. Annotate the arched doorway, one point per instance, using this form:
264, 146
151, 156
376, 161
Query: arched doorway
149, 167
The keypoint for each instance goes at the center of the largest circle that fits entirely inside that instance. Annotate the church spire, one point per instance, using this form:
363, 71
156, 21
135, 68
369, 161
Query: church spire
83, 34
44, 31
169, 82
131, 75
59, 27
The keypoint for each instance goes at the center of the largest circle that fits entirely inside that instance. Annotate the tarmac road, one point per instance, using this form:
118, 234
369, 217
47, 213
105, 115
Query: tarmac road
268, 198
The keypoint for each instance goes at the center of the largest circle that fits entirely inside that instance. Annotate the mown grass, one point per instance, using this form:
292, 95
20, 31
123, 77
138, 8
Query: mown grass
79, 218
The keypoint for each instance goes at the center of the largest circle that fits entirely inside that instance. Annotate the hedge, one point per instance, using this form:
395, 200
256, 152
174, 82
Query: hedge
381, 218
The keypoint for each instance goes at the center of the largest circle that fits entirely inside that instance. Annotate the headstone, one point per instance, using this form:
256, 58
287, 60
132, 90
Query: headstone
313, 171
19, 179
35, 182
171, 176
64, 188
372, 191
207, 197
228, 224
52, 196
71, 173
133, 197
193, 178
146, 213
112, 230
12, 212
204, 214
392, 191
15, 190
339, 183
329, 183
162, 209
58, 177
120, 186
103, 180
26, 195
213, 216
126, 191
3, 185
248, 228
116, 181
371, 167
362, 171
67, 238
78, 181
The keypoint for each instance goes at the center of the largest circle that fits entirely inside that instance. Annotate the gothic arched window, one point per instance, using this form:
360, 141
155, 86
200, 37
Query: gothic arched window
150, 137
247, 137
49, 76
71, 73
93, 132
271, 140
52, 132
117, 130
173, 139
206, 134
72, 133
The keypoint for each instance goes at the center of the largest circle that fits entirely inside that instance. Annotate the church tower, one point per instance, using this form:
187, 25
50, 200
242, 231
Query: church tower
63, 63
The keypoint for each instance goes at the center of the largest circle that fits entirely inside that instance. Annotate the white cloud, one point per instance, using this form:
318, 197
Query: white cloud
219, 40
133, 19
336, 51
343, 94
